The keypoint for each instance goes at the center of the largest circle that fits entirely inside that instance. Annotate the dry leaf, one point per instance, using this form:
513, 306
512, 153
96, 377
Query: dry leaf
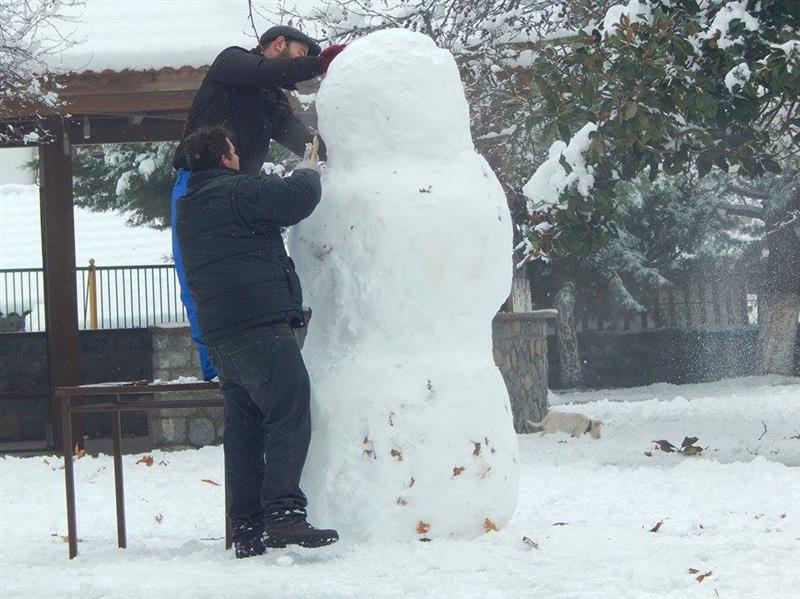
159, 518
694, 571
422, 527
401, 501
369, 448
163, 463
531, 542
458, 470
665, 445
78, 453
489, 526
477, 450
649, 454
559, 523
702, 577
397, 455
411, 482
391, 418
657, 526
146, 460
208, 481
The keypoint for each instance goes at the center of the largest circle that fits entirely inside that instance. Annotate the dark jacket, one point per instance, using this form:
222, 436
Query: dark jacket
228, 227
241, 91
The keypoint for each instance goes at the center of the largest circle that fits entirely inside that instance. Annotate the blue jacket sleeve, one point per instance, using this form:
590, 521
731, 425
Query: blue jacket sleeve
265, 201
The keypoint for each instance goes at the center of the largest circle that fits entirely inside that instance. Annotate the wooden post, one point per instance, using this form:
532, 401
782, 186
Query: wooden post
91, 291
60, 289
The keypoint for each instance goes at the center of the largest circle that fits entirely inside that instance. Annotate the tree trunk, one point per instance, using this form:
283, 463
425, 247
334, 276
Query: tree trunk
777, 332
779, 299
521, 300
567, 335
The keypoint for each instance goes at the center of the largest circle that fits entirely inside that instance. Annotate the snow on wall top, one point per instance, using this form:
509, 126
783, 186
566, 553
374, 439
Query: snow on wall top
152, 34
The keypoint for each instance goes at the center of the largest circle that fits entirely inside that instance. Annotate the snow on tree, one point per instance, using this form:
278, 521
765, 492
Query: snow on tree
30, 33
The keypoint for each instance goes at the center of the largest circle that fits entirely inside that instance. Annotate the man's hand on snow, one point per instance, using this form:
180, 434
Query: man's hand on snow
328, 54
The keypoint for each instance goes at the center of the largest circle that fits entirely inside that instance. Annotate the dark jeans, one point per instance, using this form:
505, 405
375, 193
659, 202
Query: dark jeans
267, 423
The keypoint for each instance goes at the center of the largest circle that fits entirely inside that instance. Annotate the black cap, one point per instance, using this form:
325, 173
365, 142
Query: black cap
291, 34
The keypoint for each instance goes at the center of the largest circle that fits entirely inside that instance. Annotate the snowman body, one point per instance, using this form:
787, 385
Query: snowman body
404, 263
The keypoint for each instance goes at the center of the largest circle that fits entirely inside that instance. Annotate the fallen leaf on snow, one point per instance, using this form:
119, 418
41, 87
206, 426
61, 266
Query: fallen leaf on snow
702, 577
657, 526
477, 450
664, 445
208, 481
458, 470
397, 455
559, 523
489, 526
528, 541
422, 527
78, 453
146, 460
159, 518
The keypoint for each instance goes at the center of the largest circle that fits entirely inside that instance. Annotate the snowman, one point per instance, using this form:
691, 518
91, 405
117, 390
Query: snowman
405, 262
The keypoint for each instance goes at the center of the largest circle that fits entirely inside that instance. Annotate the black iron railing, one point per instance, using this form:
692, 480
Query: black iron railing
109, 297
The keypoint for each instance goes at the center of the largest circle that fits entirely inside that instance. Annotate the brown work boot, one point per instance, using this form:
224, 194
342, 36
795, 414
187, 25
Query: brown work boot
296, 532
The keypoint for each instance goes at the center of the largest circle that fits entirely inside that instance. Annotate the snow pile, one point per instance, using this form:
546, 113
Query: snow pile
405, 262
551, 179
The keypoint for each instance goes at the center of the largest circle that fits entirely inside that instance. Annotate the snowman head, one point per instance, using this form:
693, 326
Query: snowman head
393, 94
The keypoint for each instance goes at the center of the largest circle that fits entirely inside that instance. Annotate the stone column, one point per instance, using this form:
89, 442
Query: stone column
174, 358
520, 352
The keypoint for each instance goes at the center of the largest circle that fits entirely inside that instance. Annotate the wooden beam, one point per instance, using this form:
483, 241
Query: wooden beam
58, 251
127, 102
102, 131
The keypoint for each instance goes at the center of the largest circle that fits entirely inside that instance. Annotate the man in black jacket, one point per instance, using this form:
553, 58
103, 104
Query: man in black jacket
248, 297
242, 91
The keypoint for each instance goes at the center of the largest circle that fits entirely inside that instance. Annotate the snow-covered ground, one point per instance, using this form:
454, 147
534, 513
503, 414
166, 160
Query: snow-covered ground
103, 236
589, 507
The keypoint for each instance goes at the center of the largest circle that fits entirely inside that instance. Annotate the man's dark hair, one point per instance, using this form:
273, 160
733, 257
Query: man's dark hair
205, 146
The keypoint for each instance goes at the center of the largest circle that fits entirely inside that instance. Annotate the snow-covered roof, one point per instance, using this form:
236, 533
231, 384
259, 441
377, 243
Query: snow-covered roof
152, 34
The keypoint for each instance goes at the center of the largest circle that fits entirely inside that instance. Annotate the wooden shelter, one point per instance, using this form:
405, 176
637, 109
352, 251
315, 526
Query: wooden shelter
97, 108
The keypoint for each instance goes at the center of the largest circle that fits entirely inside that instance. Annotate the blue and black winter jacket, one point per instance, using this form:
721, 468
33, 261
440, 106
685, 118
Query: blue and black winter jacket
229, 230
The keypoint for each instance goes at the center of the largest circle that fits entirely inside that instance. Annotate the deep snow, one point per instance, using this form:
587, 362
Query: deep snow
732, 511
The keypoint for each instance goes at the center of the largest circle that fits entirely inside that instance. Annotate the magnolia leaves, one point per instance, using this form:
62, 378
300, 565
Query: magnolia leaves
688, 447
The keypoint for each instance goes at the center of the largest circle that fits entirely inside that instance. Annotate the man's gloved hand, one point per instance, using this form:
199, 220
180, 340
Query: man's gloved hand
309, 160
307, 164
328, 54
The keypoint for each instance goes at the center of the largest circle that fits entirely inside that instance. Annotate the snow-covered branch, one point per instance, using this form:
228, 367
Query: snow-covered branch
31, 31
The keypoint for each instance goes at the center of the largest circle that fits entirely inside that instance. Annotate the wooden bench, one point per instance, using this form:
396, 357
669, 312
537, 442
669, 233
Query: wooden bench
126, 397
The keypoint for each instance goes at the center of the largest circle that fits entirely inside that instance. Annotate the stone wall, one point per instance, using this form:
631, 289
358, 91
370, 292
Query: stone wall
106, 355
619, 359
520, 352
174, 356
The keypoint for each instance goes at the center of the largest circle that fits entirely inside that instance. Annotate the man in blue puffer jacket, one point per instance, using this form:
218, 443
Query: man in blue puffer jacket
242, 91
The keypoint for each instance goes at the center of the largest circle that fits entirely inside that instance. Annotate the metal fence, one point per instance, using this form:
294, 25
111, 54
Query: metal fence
124, 296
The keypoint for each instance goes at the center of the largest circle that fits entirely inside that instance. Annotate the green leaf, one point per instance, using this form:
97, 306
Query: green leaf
631, 108
563, 162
